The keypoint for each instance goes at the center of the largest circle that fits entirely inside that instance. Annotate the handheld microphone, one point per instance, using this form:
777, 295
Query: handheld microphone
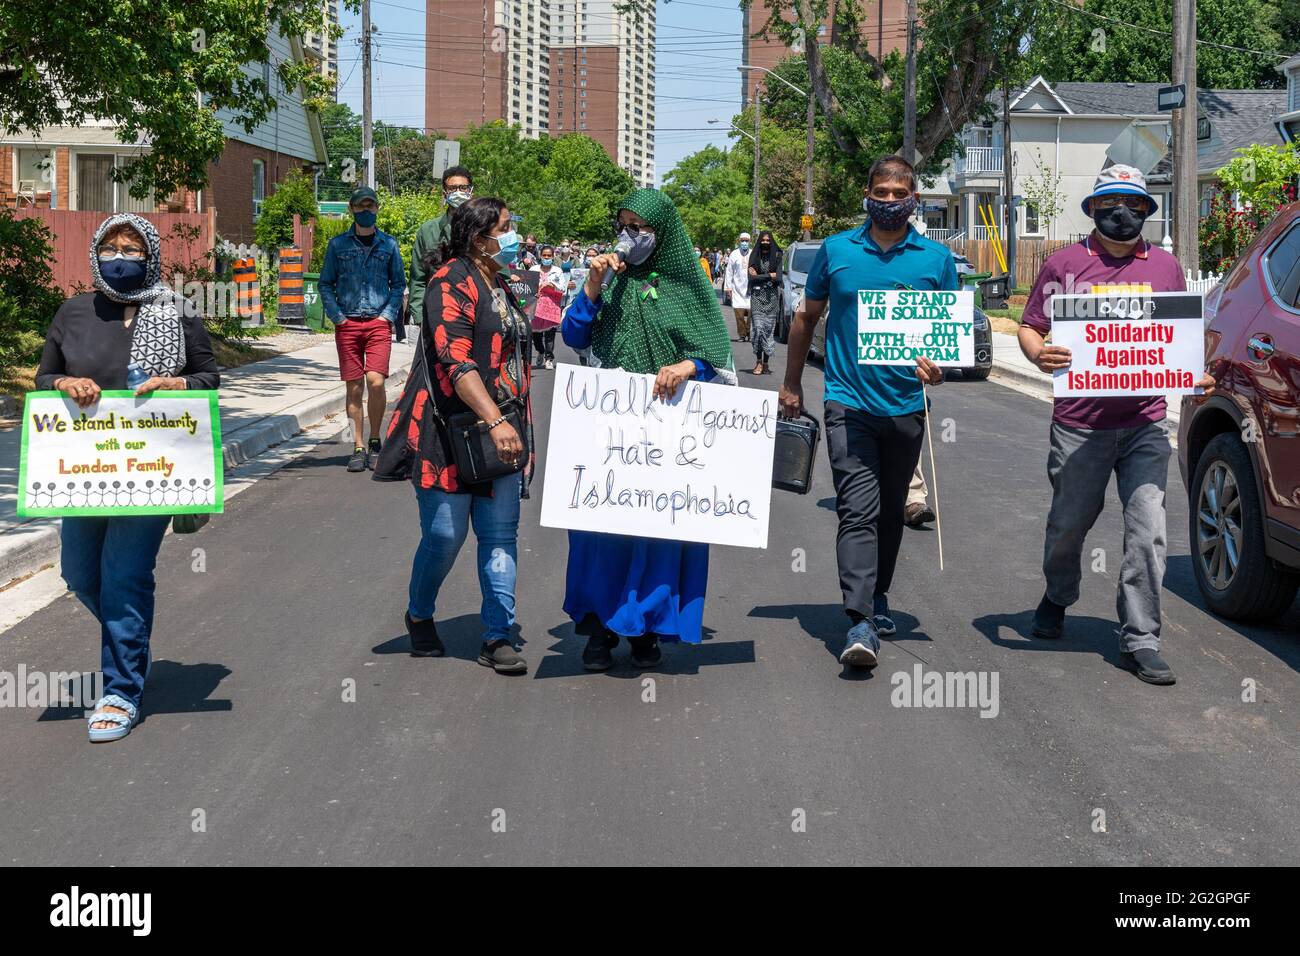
621, 249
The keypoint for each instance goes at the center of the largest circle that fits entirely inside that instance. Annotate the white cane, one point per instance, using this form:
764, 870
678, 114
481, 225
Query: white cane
934, 473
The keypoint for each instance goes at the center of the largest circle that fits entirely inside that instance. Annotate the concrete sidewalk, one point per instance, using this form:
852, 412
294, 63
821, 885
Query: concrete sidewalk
1011, 366
262, 404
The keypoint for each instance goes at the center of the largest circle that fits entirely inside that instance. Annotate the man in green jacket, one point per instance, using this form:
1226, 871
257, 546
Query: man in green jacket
457, 188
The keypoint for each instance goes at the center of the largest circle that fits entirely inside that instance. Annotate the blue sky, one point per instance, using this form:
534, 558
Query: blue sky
698, 49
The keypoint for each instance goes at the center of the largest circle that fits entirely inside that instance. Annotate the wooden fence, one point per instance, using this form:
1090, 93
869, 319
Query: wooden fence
1030, 254
74, 229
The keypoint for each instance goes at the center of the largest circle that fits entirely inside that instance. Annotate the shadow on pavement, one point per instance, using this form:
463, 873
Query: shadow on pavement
1278, 637
1083, 635
172, 688
679, 660
461, 636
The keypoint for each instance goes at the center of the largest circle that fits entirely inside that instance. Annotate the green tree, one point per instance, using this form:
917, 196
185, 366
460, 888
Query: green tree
1098, 44
406, 164
711, 189
159, 71
294, 194
346, 170
28, 295
1251, 188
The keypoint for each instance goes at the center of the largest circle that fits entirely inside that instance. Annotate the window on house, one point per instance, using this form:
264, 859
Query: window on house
259, 186
1033, 224
35, 172
94, 182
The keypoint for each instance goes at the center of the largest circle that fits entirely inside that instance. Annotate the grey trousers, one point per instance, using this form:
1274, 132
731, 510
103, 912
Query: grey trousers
871, 464
1079, 466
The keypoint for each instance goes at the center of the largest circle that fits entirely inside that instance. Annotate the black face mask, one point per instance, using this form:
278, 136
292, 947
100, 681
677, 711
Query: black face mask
1119, 223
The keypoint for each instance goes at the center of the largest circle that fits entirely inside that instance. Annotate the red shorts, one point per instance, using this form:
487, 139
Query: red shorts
364, 345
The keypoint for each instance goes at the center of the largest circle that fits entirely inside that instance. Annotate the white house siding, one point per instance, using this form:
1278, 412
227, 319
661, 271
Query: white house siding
286, 130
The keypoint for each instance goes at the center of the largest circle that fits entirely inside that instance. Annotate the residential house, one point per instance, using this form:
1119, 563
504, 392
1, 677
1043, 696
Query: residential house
69, 168
1288, 121
1066, 132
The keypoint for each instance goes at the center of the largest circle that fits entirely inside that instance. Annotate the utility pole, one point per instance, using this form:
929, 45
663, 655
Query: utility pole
808, 165
1186, 201
367, 146
758, 109
909, 88
1008, 186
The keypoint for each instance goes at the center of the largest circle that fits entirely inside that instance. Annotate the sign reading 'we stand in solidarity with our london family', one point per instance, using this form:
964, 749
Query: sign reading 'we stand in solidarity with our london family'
1129, 343
695, 468
124, 455
895, 327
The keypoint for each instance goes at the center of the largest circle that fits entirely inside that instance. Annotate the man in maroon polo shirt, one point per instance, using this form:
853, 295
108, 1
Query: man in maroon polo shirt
1093, 437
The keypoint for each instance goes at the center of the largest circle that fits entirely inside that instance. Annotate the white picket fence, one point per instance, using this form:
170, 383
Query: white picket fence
1202, 281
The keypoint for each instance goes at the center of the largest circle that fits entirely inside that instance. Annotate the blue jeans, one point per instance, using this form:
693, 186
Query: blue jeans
108, 563
444, 522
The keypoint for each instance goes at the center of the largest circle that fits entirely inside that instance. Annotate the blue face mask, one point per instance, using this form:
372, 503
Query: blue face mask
547, 262
507, 248
642, 243
123, 275
365, 218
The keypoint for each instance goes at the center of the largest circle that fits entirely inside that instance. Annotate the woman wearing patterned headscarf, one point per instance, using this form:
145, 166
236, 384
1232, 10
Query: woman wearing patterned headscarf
130, 332
765, 299
659, 316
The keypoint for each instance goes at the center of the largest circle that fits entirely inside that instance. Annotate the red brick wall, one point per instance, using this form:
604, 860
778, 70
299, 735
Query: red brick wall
230, 186
601, 102
463, 80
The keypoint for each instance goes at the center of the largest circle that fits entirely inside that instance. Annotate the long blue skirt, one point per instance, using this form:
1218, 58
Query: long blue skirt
637, 586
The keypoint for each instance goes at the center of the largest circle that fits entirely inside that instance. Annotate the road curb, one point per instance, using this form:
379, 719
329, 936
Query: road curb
34, 545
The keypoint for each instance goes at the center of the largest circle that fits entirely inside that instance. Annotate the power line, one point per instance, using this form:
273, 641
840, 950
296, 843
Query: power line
1169, 34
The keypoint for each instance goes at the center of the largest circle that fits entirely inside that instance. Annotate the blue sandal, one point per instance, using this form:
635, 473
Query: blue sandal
123, 722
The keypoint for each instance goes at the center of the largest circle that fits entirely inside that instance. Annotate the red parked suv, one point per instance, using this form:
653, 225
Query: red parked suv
1239, 450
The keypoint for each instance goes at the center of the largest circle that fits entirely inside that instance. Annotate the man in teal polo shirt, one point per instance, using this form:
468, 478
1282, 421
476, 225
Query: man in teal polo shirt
875, 414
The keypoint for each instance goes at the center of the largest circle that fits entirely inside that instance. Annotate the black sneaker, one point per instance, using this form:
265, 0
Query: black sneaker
372, 454
1049, 620
596, 655
501, 656
885, 625
424, 638
358, 460
1149, 666
646, 651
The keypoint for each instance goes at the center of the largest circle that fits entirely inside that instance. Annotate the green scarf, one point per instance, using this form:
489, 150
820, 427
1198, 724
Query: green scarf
665, 310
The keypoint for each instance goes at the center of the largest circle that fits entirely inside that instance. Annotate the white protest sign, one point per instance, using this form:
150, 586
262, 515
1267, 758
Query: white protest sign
695, 468
1129, 343
896, 326
159, 454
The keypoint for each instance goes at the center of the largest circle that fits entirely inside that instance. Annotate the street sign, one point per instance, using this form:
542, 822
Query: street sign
1171, 97
446, 154
805, 222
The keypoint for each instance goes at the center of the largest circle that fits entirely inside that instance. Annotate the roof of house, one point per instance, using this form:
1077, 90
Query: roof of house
1238, 118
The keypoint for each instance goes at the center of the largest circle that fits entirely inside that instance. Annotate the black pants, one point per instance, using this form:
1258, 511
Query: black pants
872, 460
544, 345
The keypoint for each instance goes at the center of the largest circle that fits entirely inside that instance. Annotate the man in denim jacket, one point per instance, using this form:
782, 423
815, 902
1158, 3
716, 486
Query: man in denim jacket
361, 287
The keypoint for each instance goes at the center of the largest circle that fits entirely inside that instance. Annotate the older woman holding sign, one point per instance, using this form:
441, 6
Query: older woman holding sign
659, 316
130, 332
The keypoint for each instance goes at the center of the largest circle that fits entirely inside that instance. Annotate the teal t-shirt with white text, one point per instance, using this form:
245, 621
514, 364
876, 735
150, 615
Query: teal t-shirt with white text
850, 261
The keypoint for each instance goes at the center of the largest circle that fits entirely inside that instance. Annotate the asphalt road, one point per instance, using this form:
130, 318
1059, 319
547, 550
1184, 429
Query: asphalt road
745, 736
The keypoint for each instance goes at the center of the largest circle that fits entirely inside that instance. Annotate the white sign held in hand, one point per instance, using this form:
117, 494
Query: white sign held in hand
896, 327
1129, 343
695, 468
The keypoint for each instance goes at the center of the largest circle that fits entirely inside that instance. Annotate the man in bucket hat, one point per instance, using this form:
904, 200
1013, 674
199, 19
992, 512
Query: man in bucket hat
1093, 437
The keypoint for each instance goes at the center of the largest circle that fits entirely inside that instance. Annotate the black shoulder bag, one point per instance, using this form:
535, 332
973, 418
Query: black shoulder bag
472, 447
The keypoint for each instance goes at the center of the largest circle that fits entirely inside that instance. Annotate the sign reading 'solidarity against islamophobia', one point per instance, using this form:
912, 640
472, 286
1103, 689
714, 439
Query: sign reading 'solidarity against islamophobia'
695, 468
1144, 343
896, 327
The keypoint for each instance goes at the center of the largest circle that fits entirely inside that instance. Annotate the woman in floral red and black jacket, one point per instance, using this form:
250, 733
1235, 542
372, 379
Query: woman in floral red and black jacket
475, 343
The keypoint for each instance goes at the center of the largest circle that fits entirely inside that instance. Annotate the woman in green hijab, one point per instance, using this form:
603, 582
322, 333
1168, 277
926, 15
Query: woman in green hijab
659, 316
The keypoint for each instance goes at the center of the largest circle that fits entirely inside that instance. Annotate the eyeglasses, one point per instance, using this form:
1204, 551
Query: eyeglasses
634, 228
108, 253
1136, 203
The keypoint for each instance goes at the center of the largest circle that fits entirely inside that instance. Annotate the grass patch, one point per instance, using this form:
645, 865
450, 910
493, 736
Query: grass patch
1012, 312
234, 354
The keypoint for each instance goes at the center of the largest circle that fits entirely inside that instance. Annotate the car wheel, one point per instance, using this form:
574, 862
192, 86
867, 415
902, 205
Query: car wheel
976, 374
1226, 529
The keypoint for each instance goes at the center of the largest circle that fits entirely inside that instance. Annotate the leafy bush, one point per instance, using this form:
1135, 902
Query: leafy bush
28, 296
402, 214
326, 229
293, 194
